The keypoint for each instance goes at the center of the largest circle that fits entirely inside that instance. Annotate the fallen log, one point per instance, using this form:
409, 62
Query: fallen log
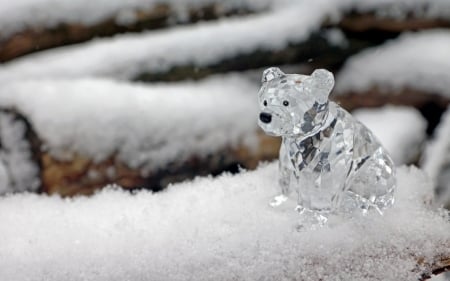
367, 22
354, 22
37, 38
410, 70
139, 136
82, 176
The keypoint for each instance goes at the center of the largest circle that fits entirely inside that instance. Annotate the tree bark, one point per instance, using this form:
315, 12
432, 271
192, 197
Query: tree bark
439, 266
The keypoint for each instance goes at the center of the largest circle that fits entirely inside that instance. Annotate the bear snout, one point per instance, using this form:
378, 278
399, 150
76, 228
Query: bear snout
265, 117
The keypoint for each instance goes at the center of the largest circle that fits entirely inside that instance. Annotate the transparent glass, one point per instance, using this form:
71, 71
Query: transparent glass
335, 165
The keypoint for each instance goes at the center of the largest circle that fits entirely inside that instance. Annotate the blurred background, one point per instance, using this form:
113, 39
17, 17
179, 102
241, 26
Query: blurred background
144, 93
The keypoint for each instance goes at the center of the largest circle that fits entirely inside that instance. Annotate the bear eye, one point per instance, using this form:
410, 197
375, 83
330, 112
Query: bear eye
285, 103
265, 103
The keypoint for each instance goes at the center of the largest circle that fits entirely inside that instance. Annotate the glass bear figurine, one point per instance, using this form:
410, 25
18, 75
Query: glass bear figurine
331, 162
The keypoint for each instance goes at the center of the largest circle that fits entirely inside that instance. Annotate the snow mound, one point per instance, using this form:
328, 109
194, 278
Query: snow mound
126, 56
18, 171
436, 160
401, 130
415, 60
145, 126
18, 15
213, 229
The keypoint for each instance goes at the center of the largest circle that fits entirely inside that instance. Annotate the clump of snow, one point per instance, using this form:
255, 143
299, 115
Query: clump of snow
436, 160
18, 15
213, 229
145, 126
127, 56
401, 130
18, 171
336, 38
415, 60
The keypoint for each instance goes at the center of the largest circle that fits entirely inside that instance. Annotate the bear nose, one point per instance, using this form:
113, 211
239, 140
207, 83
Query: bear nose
265, 117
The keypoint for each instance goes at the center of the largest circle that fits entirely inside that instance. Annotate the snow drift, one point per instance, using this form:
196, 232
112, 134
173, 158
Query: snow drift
214, 229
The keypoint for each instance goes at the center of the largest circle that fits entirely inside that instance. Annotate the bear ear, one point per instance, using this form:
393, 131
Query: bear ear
323, 79
323, 83
271, 73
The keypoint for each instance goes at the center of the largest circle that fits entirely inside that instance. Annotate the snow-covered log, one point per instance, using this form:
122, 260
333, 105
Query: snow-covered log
401, 130
411, 70
217, 229
395, 16
95, 132
415, 60
19, 154
29, 26
223, 45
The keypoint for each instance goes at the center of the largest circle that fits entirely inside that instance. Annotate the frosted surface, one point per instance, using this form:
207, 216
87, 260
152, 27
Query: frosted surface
401, 130
212, 229
146, 126
416, 60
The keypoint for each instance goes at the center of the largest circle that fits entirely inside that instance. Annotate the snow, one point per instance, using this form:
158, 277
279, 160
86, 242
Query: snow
18, 171
419, 61
438, 148
19, 15
336, 37
213, 229
126, 56
436, 158
146, 126
401, 130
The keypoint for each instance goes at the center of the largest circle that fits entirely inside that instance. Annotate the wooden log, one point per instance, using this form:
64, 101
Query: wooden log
158, 16
368, 22
82, 176
140, 135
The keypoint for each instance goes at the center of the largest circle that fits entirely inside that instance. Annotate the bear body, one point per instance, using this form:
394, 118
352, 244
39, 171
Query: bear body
333, 162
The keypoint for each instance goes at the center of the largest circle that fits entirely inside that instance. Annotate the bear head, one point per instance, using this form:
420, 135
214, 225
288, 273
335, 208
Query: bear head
293, 104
